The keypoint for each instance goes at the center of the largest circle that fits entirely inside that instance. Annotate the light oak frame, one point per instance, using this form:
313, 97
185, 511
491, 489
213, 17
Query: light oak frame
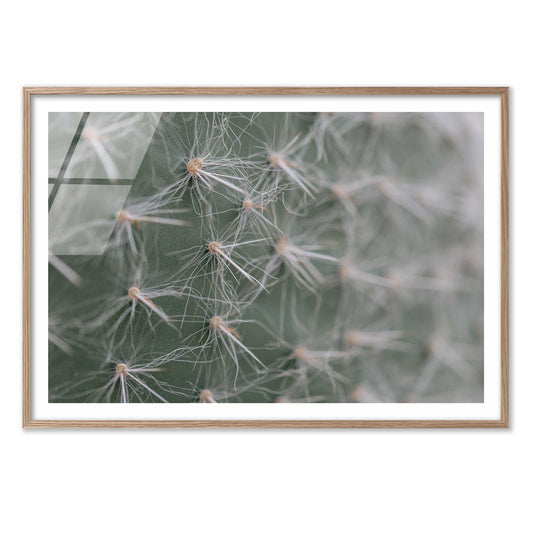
502, 422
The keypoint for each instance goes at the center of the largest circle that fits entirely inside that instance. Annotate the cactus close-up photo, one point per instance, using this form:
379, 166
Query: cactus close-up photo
269, 257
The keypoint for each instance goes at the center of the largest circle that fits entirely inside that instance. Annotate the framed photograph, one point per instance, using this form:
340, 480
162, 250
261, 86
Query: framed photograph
266, 257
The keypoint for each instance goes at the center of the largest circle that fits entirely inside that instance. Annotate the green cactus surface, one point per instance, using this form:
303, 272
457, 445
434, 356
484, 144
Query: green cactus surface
266, 257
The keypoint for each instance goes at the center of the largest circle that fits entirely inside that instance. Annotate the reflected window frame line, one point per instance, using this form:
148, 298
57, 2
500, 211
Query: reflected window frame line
61, 176
92, 181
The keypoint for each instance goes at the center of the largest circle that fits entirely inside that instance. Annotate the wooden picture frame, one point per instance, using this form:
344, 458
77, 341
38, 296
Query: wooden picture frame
30, 92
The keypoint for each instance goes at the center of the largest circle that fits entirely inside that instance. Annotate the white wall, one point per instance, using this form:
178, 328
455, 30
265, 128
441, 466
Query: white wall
414, 481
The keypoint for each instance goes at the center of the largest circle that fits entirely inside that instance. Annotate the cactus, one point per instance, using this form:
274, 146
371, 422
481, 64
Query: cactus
266, 257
